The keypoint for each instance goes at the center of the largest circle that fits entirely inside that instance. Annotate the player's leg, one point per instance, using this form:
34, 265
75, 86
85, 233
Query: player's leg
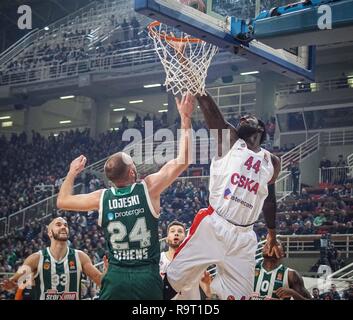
202, 247
235, 278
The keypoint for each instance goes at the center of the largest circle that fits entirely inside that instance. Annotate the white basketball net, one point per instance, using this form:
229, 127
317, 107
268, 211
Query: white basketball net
185, 59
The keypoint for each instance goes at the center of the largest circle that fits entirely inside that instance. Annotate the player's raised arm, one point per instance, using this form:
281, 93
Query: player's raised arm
270, 209
161, 180
81, 202
215, 120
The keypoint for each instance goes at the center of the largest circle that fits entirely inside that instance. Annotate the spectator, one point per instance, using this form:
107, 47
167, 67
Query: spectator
295, 174
348, 293
316, 294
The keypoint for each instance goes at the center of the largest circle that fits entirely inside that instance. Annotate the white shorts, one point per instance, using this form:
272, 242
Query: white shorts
214, 240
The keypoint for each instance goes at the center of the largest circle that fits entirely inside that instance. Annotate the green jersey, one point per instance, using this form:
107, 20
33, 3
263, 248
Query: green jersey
130, 226
58, 280
266, 282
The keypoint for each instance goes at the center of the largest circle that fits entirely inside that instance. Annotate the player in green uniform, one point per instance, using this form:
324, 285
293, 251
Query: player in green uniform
54, 273
128, 214
274, 280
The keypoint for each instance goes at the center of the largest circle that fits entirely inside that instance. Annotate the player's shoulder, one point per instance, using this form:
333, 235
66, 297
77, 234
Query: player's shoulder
276, 161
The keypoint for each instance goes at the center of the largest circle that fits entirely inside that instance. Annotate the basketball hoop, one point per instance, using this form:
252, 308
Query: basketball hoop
185, 59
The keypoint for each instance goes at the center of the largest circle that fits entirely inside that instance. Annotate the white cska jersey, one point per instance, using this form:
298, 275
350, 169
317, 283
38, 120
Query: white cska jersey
238, 183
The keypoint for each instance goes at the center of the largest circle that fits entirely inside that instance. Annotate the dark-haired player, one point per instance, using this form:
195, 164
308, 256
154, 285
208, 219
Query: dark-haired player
242, 177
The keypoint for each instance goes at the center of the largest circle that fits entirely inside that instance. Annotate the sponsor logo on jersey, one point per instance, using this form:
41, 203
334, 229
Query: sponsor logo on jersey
110, 216
279, 277
227, 194
46, 265
256, 296
124, 202
72, 265
54, 295
244, 182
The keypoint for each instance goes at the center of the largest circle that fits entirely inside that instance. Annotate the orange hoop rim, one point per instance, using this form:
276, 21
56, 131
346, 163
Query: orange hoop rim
152, 30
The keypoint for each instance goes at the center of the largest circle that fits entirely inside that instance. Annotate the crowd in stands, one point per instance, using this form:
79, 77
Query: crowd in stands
333, 294
28, 166
75, 46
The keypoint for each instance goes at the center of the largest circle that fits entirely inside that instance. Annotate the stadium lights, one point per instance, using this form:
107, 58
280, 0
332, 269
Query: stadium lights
135, 101
6, 124
248, 73
165, 104
5, 117
163, 110
114, 129
46, 28
67, 97
152, 85
56, 134
119, 109
65, 121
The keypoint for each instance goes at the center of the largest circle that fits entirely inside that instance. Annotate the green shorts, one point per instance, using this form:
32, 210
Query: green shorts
132, 283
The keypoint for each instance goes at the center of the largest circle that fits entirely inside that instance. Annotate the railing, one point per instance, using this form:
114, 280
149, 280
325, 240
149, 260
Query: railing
3, 227
333, 175
300, 152
39, 210
36, 35
17, 47
327, 85
94, 12
336, 137
284, 185
343, 273
306, 245
113, 63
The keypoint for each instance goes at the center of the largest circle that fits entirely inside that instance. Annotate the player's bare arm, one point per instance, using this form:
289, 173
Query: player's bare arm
270, 209
89, 269
82, 202
29, 267
215, 120
296, 289
158, 182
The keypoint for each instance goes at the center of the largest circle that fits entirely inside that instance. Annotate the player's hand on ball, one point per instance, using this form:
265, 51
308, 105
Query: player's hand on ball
185, 105
78, 165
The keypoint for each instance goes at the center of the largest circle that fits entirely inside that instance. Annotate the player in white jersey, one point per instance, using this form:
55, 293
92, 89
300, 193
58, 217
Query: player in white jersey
242, 179
175, 236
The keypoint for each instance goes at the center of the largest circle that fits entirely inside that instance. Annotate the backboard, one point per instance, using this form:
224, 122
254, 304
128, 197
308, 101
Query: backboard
214, 27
